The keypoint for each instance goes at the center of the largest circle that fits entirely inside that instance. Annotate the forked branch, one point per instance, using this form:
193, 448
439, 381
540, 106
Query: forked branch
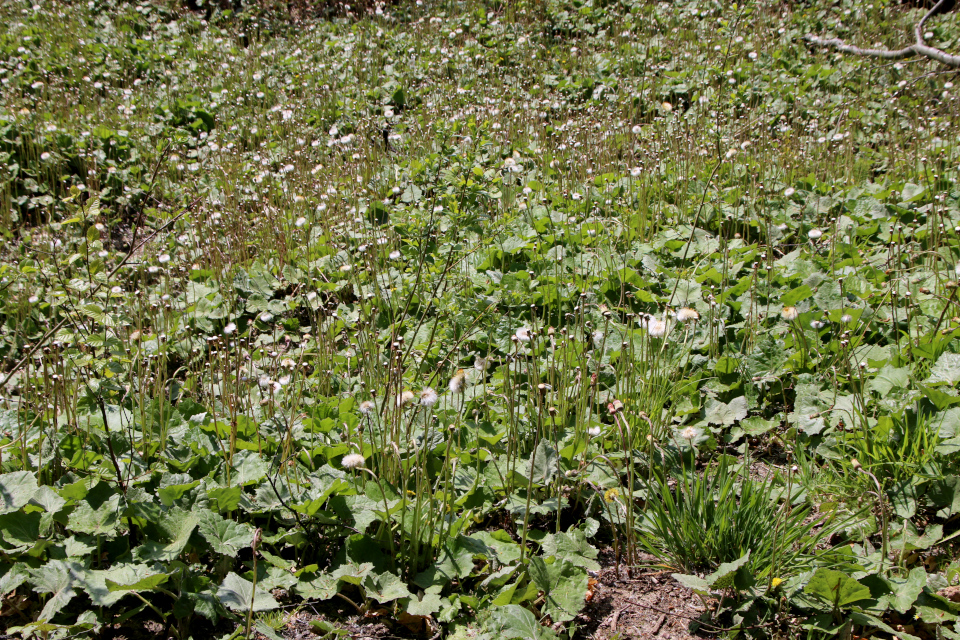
918, 48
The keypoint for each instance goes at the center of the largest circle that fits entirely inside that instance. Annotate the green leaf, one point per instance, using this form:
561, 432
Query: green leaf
224, 536
57, 578
543, 462
889, 378
694, 583
836, 587
20, 530
385, 587
726, 414
132, 577
176, 526
322, 587
572, 547
237, 594
224, 499
513, 621
723, 576
792, 297
427, 606
906, 590
100, 521
946, 370
16, 490
564, 587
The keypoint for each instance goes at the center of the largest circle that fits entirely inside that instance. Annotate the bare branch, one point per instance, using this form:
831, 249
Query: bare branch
919, 48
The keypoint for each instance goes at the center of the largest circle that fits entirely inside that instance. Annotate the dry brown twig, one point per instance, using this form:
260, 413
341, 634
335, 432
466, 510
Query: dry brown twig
918, 48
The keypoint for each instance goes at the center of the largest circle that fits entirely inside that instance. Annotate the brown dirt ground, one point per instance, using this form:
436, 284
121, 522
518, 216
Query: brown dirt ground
639, 603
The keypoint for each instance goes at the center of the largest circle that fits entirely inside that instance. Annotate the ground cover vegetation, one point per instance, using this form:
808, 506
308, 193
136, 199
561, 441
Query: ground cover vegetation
427, 308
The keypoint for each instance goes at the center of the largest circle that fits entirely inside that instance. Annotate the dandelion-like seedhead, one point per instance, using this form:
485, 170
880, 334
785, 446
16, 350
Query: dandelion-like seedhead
458, 381
367, 407
657, 328
790, 314
352, 461
428, 397
687, 314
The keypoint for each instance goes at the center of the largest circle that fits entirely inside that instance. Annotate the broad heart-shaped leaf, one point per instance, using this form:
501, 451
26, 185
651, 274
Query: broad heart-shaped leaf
889, 378
903, 496
726, 414
236, 594
57, 578
513, 621
385, 587
946, 369
16, 489
572, 547
322, 587
177, 525
102, 521
564, 587
426, 606
224, 536
723, 576
694, 583
12, 577
836, 587
904, 591
543, 463
133, 577
20, 530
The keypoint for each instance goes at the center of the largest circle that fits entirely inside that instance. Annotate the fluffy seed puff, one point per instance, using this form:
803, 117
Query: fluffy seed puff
352, 461
687, 314
458, 381
428, 397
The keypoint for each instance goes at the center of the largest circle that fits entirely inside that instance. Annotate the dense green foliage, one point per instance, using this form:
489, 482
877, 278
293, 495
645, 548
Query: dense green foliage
682, 285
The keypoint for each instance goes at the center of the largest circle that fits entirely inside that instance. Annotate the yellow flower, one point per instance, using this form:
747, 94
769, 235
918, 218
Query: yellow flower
776, 582
611, 494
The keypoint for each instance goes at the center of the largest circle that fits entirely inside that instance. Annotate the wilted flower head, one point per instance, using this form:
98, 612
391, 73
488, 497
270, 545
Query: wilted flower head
428, 397
687, 314
352, 461
405, 398
690, 433
657, 328
457, 381
790, 314
367, 407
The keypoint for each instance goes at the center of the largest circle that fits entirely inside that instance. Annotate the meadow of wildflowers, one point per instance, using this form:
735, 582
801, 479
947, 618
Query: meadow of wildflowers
462, 317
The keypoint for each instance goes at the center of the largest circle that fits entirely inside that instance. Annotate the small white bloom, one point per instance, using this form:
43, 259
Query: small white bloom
457, 381
790, 314
687, 314
300, 221
789, 191
428, 397
814, 234
230, 328
657, 328
593, 432
690, 433
163, 259
352, 461
394, 255
367, 407
405, 398
522, 334
846, 318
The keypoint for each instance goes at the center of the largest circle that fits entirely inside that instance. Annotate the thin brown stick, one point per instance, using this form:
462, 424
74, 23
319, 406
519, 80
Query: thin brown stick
918, 48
